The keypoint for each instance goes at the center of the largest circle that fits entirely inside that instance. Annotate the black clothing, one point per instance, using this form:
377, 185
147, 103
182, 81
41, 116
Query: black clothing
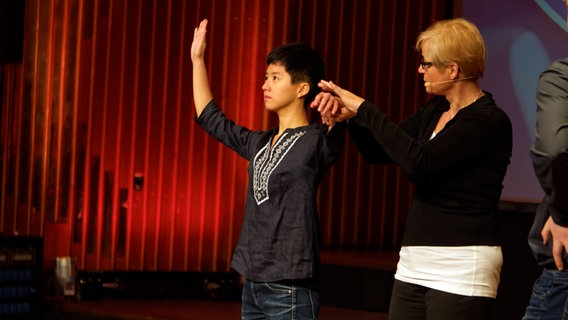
280, 234
440, 304
458, 174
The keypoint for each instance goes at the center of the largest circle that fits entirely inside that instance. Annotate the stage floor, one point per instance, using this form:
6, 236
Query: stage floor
354, 285
176, 310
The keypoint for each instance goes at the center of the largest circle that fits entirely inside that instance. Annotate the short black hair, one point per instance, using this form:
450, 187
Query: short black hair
302, 63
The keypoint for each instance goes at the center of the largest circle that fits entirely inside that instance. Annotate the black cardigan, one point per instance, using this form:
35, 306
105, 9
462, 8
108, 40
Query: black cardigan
458, 174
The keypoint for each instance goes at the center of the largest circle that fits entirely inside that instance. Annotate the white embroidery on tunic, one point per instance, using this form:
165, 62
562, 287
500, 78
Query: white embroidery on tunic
266, 161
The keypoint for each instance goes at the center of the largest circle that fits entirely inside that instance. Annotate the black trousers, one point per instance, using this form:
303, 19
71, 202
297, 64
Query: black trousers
414, 302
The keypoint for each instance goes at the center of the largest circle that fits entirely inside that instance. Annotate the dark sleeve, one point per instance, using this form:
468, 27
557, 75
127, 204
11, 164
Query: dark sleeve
334, 143
369, 147
549, 151
214, 122
366, 144
463, 140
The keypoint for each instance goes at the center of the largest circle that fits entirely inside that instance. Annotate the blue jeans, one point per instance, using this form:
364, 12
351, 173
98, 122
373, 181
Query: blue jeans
549, 297
286, 300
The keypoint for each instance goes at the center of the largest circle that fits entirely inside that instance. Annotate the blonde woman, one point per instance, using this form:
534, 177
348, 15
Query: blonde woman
456, 150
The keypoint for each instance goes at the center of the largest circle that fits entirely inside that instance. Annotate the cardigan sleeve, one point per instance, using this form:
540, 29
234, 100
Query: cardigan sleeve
475, 127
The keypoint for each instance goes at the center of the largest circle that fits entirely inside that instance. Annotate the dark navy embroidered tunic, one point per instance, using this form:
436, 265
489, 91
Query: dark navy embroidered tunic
280, 234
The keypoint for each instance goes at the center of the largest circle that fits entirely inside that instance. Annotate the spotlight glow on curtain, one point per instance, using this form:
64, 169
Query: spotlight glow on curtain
100, 153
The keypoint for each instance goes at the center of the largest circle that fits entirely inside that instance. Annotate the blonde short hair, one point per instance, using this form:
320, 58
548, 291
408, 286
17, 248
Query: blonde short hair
454, 40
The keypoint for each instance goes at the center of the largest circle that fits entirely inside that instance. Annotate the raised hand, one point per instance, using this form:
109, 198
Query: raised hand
201, 89
199, 41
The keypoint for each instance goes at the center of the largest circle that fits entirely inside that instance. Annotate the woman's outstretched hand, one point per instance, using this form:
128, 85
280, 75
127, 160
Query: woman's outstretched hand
334, 103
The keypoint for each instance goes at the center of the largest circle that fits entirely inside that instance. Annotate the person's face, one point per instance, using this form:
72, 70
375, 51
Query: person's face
432, 74
278, 89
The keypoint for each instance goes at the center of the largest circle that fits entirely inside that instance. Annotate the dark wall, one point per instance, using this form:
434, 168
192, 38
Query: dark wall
11, 31
519, 267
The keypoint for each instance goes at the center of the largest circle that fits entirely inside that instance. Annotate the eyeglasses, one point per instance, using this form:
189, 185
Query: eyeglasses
425, 65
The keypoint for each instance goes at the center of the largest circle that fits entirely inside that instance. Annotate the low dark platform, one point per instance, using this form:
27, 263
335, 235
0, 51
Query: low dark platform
355, 285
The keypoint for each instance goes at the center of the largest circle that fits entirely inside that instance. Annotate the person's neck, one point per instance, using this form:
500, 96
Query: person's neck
292, 118
464, 98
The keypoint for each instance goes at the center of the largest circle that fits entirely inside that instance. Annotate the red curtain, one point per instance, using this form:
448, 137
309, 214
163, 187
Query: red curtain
100, 153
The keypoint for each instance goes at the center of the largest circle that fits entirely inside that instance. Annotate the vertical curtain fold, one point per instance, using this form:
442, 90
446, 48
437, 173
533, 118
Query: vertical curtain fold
100, 154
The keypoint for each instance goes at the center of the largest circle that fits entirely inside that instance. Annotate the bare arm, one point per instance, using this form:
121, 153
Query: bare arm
201, 89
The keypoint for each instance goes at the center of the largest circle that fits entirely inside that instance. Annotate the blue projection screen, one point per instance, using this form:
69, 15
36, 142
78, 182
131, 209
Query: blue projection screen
523, 37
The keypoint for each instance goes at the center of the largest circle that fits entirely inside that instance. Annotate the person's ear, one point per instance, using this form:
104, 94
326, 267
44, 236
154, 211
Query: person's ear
303, 89
454, 70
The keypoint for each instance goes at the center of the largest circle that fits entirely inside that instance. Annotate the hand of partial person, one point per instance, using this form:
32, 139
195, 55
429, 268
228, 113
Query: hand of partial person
559, 240
199, 41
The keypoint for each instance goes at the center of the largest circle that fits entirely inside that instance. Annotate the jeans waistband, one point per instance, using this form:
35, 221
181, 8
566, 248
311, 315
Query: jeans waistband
299, 282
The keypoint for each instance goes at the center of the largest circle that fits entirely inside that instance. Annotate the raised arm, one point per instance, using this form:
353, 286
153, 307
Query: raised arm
201, 89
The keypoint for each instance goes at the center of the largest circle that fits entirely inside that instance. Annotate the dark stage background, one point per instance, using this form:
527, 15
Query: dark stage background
521, 43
